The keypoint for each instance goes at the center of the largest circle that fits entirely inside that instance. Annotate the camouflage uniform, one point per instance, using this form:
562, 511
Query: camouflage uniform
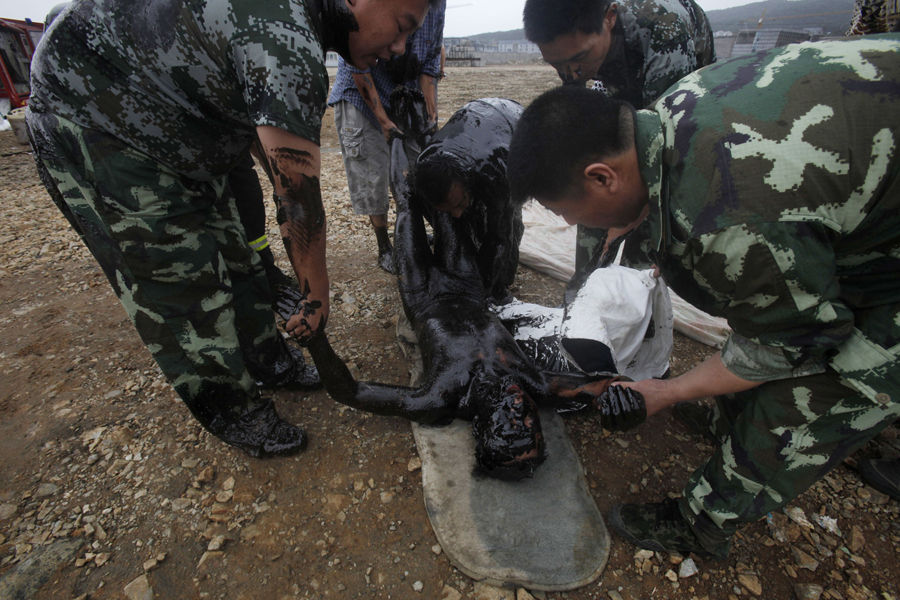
775, 202
655, 43
138, 111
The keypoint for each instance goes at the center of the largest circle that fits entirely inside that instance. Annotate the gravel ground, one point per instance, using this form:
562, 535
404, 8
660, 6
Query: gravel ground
109, 489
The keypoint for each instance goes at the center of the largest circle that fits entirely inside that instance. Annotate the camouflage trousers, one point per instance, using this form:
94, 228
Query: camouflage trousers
777, 440
176, 255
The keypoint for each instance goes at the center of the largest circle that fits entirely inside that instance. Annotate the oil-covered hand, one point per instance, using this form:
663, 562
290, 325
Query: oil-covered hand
303, 318
621, 408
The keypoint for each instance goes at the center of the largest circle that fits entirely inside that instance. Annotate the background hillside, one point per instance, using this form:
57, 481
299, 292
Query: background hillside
833, 16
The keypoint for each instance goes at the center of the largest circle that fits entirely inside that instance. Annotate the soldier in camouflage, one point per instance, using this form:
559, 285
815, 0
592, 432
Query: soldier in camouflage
771, 187
138, 112
632, 50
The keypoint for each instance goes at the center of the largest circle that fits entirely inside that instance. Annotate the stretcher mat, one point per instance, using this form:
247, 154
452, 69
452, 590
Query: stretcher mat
544, 533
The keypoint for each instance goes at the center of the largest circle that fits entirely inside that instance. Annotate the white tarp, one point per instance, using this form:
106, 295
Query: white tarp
548, 245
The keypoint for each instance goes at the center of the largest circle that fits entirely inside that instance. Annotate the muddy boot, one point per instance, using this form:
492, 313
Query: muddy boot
697, 418
291, 372
385, 250
883, 475
257, 430
661, 527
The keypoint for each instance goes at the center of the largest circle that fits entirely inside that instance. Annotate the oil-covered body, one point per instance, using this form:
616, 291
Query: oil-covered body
474, 368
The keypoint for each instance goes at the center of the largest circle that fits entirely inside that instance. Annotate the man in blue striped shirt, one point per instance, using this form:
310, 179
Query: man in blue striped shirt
361, 100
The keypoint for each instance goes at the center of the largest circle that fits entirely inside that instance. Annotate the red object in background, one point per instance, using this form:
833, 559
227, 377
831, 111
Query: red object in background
17, 42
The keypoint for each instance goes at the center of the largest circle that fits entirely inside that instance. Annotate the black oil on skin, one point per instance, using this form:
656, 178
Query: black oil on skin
301, 217
474, 369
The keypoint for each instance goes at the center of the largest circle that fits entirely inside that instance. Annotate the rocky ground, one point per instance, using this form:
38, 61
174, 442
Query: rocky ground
109, 489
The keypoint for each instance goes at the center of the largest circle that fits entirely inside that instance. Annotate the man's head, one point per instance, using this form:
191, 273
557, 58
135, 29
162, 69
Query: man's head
573, 150
509, 443
381, 27
439, 181
574, 35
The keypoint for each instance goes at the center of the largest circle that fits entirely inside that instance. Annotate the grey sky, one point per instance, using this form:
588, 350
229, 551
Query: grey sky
463, 17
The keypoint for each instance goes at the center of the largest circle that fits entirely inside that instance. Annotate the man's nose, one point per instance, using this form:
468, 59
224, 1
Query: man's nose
398, 47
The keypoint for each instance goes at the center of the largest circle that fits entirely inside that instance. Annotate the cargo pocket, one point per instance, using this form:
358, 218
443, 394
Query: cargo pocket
352, 142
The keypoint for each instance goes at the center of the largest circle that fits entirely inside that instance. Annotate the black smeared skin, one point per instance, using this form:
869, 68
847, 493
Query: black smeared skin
474, 368
301, 215
621, 408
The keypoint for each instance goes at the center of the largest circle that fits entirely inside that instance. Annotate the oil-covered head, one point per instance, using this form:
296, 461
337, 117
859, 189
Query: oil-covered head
509, 443
440, 180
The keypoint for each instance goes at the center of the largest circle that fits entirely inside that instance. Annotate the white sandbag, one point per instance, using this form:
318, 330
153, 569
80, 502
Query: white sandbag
626, 310
629, 311
548, 246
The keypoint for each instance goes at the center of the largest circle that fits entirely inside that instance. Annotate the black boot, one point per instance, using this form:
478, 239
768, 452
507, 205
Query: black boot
295, 374
277, 364
255, 428
883, 475
385, 250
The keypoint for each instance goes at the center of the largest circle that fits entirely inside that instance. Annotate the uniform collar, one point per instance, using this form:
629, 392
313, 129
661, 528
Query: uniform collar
649, 141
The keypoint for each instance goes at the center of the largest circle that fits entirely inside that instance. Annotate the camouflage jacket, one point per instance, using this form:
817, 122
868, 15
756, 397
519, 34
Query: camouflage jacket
184, 81
775, 203
655, 43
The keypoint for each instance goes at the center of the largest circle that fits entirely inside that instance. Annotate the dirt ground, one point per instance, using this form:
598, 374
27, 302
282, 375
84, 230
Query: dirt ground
109, 488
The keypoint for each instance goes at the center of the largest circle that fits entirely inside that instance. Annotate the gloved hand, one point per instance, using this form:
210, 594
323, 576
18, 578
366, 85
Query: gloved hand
621, 408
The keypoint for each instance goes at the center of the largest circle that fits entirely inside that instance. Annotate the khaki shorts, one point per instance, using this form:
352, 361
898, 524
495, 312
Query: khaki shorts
366, 160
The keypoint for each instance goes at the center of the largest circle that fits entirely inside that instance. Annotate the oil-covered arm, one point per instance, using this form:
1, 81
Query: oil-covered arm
366, 86
294, 165
390, 400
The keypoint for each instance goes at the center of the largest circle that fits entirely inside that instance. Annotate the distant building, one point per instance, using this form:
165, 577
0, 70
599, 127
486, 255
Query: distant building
748, 42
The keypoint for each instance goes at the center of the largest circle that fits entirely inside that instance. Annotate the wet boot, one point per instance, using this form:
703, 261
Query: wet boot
697, 418
385, 250
883, 475
256, 429
662, 528
290, 371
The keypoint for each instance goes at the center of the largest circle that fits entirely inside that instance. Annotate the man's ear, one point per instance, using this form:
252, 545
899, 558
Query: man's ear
609, 19
602, 177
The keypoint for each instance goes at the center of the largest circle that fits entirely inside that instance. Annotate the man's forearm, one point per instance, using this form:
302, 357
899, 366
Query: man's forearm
429, 84
709, 378
365, 85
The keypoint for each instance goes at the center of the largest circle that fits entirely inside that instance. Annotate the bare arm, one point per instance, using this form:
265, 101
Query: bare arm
709, 378
294, 165
366, 86
428, 85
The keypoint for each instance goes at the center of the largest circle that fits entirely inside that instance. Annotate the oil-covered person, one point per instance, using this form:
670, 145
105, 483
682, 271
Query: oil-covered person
362, 115
462, 171
630, 49
137, 113
770, 185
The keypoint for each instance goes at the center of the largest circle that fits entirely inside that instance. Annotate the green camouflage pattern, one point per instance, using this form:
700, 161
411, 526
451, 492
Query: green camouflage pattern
777, 440
775, 204
656, 43
176, 256
184, 81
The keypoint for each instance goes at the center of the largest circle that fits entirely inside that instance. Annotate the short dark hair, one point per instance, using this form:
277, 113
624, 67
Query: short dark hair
546, 20
559, 134
433, 174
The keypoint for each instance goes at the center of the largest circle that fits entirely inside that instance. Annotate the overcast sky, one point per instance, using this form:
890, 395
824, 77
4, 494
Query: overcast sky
463, 18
